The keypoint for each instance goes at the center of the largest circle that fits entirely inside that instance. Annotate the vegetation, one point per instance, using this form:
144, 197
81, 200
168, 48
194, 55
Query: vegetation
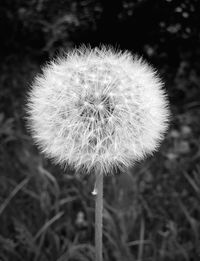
153, 212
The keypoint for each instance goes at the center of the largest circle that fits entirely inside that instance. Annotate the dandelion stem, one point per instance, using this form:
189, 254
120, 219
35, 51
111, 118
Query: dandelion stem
98, 216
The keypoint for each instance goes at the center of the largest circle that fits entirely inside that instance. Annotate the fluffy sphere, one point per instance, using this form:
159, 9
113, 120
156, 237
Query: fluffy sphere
97, 109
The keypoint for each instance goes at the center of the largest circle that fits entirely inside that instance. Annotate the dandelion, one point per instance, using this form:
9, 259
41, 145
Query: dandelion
98, 110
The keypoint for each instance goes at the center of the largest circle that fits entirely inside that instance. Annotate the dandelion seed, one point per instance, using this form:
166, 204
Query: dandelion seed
98, 107
95, 191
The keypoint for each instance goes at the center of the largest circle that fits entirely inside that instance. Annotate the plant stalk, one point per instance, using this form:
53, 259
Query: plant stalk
98, 216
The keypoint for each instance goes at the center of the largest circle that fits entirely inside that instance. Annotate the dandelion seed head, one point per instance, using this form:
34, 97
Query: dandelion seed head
98, 108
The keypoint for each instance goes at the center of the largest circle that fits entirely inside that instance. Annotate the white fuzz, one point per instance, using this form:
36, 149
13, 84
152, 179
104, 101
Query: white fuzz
98, 109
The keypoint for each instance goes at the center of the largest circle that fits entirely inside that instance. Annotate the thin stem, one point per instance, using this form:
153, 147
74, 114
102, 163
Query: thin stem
98, 216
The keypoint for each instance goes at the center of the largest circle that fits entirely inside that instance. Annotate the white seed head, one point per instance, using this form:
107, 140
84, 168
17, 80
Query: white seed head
97, 108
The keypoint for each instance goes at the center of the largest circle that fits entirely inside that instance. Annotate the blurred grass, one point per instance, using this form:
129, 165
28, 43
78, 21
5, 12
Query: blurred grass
152, 213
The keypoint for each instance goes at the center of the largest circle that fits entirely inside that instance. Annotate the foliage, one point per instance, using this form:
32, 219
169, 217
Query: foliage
153, 212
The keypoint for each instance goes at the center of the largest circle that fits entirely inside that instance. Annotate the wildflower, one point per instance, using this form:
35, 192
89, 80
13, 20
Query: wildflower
97, 109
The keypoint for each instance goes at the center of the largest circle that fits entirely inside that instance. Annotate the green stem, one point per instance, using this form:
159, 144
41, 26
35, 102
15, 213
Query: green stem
98, 217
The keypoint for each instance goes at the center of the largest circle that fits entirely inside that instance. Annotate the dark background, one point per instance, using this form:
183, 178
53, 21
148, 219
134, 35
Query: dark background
150, 214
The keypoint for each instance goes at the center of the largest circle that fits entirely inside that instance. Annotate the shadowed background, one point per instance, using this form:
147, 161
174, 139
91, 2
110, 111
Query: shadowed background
150, 214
